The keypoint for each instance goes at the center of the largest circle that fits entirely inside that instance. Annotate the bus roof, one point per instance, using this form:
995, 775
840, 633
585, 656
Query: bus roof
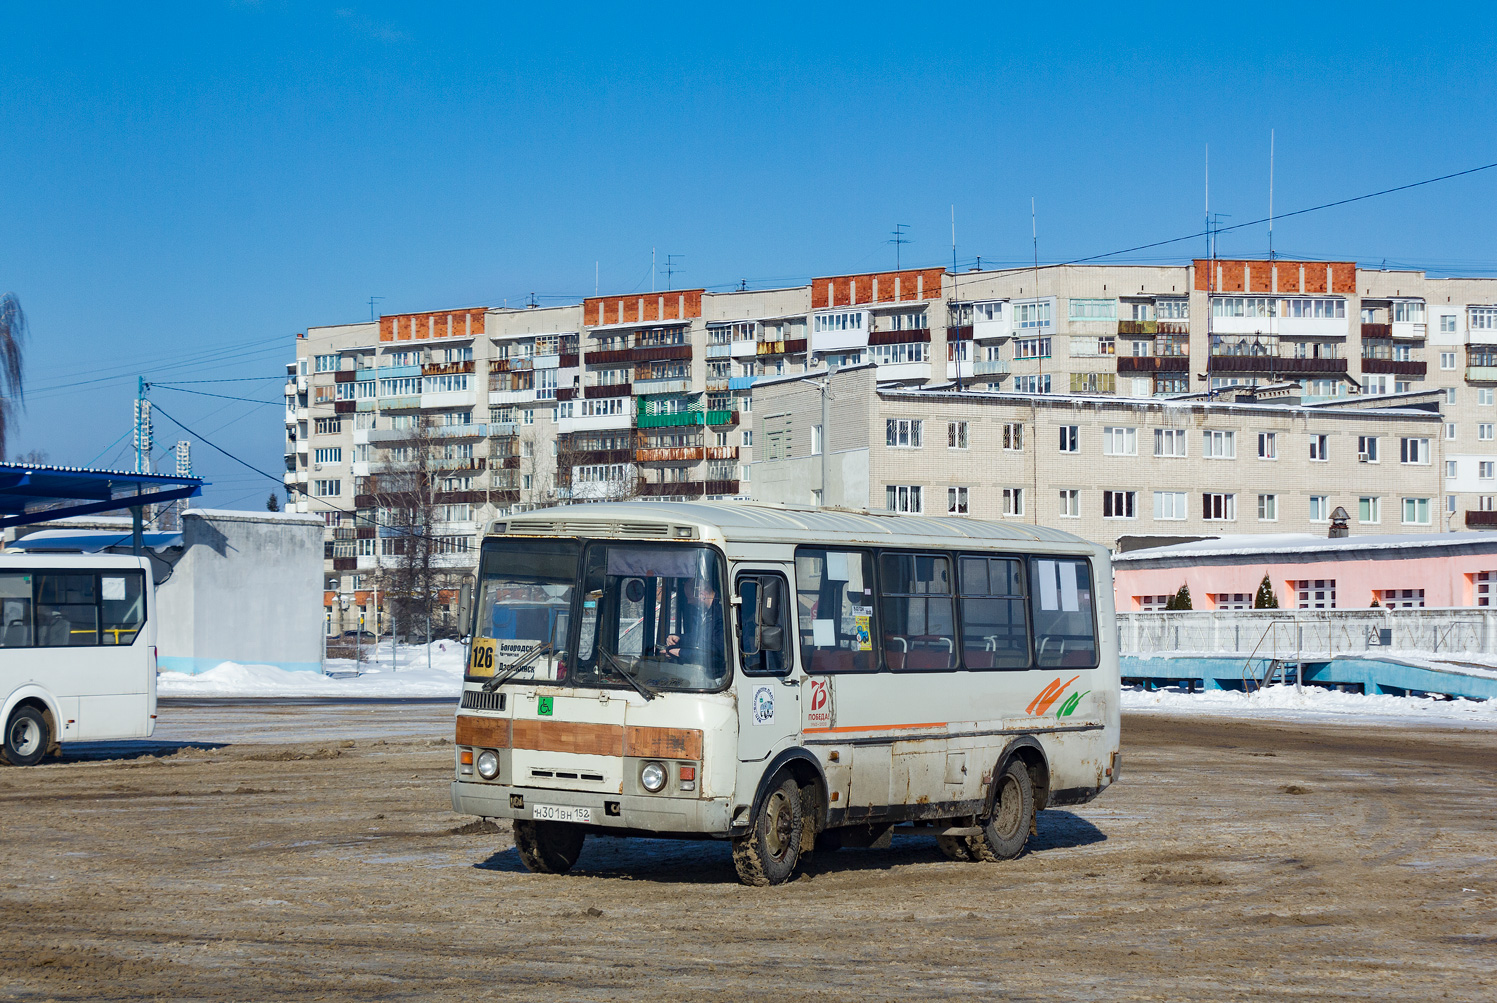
751, 522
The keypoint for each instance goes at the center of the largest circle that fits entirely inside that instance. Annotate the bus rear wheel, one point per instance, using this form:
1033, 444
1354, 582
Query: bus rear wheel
768, 853
548, 847
1005, 832
26, 737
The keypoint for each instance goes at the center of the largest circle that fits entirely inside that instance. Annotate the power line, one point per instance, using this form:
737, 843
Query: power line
1285, 215
204, 393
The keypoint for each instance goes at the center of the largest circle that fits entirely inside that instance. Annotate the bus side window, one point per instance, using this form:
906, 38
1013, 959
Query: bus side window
15, 609
122, 598
834, 610
994, 632
753, 590
67, 610
1065, 635
919, 616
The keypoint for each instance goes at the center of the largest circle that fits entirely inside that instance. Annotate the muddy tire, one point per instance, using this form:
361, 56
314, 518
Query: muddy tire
768, 853
27, 737
1006, 831
955, 848
548, 847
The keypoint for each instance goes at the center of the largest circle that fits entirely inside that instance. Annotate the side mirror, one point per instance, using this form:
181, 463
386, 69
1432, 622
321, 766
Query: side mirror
464, 608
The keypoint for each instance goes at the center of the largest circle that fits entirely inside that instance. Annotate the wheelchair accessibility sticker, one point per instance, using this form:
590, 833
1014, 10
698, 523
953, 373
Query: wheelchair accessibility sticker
763, 704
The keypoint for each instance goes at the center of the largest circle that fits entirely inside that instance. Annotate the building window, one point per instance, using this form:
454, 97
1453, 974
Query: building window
1117, 504
1070, 438
1370, 510
1093, 309
1232, 600
1450, 431
1013, 501
1451, 468
1268, 445
1268, 508
903, 433
1219, 507
1401, 598
1032, 384
327, 426
956, 501
1119, 442
1152, 604
1070, 504
1485, 587
328, 454
1447, 359
903, 498
1482, 318
1484, 469
956, 435
1413, 451
1013, 436
1367, 449
1032, 348
1484, 431
900, 353
1319, 448
1317, 594
327, 489
1416, 511
1484, 396
1033, 315
815, 440
327, 363
1169, 441
1219, 445
1169, 505
1094, 383
1320, 508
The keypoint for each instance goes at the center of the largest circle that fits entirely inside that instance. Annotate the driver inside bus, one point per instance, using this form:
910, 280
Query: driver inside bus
701, 639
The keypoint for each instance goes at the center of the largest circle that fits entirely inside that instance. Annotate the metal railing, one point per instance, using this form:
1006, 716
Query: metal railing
1296, 634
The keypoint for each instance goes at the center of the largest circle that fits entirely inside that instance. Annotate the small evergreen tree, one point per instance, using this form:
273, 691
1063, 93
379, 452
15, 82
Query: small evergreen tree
1180, 600
273, 504
1265, 599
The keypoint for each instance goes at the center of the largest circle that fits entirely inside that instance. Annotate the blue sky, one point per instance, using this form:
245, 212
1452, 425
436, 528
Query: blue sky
185, 187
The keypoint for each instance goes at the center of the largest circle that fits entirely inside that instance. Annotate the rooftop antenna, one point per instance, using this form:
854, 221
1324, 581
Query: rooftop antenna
532, 304
743, 285
671, 268
955, 353
1270, 194
1034, 497
652, 269
1208, 211
595, 278
372, 301
898, 240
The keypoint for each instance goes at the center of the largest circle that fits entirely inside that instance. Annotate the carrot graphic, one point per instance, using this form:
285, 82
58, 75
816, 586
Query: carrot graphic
1047, 696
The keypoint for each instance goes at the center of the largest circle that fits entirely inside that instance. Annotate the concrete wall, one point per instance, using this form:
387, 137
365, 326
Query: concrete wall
248, 588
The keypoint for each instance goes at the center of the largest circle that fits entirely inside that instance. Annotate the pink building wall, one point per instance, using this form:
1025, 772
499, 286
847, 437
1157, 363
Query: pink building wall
1446, 581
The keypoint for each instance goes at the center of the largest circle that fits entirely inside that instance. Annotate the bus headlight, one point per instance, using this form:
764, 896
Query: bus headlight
653, 777
488, 765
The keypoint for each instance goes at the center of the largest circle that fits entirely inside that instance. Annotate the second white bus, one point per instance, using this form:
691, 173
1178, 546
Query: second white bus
784, 679
77, 651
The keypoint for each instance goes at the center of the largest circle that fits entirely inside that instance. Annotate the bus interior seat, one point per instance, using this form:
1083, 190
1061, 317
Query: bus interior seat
17, 634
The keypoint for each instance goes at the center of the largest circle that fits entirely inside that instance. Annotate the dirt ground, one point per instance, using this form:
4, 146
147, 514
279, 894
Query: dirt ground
1234, 861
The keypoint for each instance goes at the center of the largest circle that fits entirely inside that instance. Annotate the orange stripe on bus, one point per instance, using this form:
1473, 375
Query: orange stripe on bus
874, 727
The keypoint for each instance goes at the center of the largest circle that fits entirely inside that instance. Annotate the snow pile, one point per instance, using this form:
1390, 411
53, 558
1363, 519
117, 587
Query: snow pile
1313, 704
409, 677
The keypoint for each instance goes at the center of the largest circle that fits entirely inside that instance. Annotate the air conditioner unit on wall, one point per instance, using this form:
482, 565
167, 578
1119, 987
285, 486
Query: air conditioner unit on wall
1364, 458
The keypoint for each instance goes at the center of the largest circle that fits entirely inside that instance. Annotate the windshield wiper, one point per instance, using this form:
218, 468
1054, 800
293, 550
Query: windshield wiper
618, 667
516, 666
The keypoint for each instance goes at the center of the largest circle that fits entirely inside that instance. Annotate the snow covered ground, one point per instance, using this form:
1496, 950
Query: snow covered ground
407, 677
1285, 703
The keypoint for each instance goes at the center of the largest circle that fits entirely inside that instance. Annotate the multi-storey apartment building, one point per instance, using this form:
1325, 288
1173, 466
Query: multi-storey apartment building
650, 394
1116, 470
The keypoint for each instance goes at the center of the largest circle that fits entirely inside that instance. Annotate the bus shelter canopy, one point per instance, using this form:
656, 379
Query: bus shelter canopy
31, 493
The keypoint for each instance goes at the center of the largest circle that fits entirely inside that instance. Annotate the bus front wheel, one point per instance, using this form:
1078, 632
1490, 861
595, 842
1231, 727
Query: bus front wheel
548, 847
767, 853
26, 737
1005, 832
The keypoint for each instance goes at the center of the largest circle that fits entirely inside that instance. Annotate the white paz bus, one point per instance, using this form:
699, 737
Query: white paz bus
783, 679
77, 651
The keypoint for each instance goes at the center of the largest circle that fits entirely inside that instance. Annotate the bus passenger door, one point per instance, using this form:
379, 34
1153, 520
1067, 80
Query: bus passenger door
768, 688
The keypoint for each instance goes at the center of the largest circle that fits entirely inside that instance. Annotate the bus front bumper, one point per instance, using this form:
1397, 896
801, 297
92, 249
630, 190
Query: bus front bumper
695, 816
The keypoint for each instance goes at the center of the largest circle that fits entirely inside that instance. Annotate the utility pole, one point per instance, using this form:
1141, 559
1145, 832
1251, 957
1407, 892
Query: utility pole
142, 460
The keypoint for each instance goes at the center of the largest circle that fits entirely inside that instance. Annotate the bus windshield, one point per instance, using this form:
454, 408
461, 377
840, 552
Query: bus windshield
651, 612
655, 612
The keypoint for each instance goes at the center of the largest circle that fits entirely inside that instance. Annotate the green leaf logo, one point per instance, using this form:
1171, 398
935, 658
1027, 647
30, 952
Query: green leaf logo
1071, 704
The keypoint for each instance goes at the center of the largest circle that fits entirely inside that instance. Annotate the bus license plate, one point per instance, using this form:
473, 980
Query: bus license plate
560, 813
